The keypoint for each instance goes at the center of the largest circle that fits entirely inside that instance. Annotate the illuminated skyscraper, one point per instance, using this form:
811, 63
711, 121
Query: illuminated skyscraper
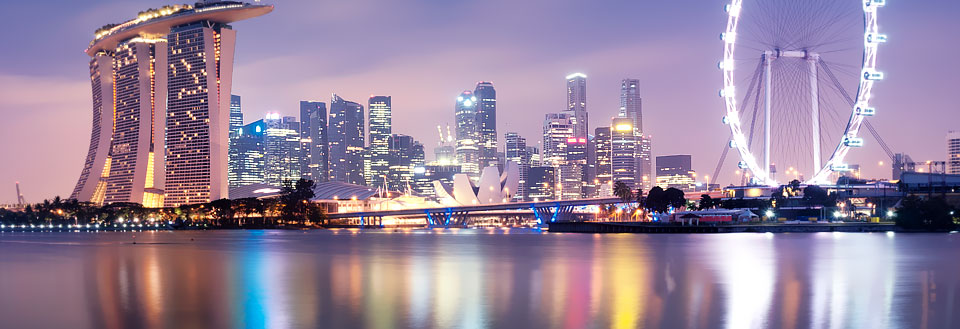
516, 151
404, 155
631, 105
557, 128
623, 152
645, 174
161, 85
676, 171
282, 151
236, 129
953, 153
249, 166
468, 134
379, 109
346, 141
541, 183
577, 104
486, 123
313, 141
571, 169
604, 176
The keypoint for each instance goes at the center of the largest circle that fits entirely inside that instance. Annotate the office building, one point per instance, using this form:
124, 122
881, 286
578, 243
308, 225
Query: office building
313, 141
516, 151
346, 139
251, 155
571, 169
953, 153
623, 152
282, 151
676, 171
424, 177
577, 104
236, 127
377, 162
404, 155
557, 128
645, 174
631, 105
542, 183
468, 135
604, 177
161, 106
486, 123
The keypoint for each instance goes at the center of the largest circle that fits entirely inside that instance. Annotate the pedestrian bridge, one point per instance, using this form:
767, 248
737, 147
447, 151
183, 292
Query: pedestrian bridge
545, 212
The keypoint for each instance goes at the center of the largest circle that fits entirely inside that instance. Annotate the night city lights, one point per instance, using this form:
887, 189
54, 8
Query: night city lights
439, 164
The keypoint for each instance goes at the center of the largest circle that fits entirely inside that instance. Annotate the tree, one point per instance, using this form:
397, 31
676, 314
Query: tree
222, 210
656, 200
816, 195
927, 214
707, 202
622, 191
295, 200
675, 198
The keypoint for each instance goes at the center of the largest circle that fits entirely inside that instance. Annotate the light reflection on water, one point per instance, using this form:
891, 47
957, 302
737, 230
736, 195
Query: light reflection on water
477, 279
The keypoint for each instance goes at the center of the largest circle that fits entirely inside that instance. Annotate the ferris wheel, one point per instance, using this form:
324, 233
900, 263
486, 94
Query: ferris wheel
796, 61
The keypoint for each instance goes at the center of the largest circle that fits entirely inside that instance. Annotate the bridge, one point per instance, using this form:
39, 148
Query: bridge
544, 211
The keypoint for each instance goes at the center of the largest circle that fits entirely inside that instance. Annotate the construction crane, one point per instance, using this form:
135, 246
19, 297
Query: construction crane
20, 200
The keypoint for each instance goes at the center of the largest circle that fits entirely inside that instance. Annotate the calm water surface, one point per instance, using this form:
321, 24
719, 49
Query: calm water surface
476, 279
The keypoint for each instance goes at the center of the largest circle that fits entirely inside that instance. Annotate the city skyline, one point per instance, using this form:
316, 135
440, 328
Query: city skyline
671, 98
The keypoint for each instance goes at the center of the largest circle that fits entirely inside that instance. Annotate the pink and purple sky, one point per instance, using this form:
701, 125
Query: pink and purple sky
424, 52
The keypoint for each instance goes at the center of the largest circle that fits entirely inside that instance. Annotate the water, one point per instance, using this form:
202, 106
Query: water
477, 278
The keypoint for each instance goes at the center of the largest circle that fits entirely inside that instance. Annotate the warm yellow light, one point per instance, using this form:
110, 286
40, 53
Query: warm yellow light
624, 127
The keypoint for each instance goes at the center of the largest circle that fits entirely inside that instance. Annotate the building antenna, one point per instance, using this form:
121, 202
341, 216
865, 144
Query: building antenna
440, 130
449, 135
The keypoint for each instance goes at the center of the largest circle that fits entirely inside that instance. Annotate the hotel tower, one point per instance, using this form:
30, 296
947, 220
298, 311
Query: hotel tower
161, 105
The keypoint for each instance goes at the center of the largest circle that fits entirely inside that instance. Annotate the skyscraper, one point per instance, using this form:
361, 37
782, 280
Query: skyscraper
645, 173
346, 141
577, 104
623, 152
557, 128
572, 168
953, 153
487, 123
515, 149
249, 166
313, 140
631, 104
236, 129
282, 151
541, 183
604, 179
165, 78
468, 134
379, 108
405, 154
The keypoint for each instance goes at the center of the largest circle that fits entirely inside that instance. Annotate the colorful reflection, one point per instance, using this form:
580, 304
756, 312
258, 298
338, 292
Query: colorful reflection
477, 279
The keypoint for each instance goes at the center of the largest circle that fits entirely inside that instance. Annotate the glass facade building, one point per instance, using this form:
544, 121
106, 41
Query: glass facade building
378, 164
313, 141
346, 138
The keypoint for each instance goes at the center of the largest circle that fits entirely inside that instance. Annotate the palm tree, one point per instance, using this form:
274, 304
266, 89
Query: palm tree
622, 191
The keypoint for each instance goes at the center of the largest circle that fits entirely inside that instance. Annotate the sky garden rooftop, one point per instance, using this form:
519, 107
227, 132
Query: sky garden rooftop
157, 22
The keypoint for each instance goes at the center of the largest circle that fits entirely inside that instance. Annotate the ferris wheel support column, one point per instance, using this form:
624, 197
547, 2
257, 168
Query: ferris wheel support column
768, 57
815, 100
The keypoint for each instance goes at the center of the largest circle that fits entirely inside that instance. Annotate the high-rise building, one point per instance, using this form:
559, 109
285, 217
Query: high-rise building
534, 153
251, 155
236, 129
953, 153
405, 155
541, 184
515, 150
645, 174
676, 171
604, 177
557, 128
162, 106
282, 151
346, 141
378, 165
468, 134
631, 105
486, 123
623, 152
313, 141
577, 104
571, 169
